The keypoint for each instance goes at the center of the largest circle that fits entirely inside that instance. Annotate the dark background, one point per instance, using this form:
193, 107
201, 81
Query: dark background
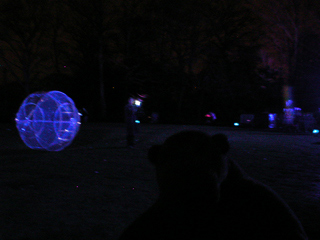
186, 57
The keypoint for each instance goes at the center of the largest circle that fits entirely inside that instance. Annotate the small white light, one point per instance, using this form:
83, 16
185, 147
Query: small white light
137, 103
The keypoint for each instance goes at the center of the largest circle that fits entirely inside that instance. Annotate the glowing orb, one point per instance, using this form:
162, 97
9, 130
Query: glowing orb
48, 121
315, 131
236, 124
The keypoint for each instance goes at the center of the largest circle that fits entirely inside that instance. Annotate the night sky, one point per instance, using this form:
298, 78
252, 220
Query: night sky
189, 58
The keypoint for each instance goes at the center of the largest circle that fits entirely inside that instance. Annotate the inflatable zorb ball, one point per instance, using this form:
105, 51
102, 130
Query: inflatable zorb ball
48, 121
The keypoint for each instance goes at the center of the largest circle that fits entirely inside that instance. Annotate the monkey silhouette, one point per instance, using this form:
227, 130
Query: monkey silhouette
205, 195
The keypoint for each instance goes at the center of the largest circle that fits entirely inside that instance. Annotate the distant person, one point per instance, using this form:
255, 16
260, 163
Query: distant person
154, 117
210, 117
130, 111
203, 195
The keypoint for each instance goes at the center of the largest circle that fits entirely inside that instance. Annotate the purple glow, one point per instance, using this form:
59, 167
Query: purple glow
288, 116
272, 120
271, 117
289, 103
246, 118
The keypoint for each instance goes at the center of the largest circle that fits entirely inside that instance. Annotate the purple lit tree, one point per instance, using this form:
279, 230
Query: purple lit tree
285, 23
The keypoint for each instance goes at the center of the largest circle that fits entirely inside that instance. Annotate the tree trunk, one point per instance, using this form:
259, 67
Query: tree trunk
101, 80
26, 76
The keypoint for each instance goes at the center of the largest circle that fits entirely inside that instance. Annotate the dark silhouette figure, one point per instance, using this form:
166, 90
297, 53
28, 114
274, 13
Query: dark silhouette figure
130, 111
203, 195
248, 209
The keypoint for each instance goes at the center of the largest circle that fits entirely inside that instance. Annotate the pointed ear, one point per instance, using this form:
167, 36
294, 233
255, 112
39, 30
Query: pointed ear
221, 142
154, 154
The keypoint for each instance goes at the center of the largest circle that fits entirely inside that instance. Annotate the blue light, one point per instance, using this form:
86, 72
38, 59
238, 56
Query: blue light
236, 124
315, 131
272, 120
137, 121
48, 121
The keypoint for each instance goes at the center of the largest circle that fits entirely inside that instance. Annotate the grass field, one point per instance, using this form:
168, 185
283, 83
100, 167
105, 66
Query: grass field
95, 187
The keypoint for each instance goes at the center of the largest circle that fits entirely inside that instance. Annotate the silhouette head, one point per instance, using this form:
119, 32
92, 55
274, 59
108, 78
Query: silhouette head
190, 161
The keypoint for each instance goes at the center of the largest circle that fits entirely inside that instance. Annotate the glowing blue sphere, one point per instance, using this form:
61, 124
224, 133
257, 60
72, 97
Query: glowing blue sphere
48, 121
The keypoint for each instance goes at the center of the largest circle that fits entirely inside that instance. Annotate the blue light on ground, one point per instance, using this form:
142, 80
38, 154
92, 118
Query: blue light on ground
236, 124
137, 121
315, 131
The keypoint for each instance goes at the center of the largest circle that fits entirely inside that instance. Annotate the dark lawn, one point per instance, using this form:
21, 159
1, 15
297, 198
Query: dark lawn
95, 187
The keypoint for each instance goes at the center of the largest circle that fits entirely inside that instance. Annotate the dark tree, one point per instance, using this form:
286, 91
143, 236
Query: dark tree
286, 22
91, 27
23, 30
